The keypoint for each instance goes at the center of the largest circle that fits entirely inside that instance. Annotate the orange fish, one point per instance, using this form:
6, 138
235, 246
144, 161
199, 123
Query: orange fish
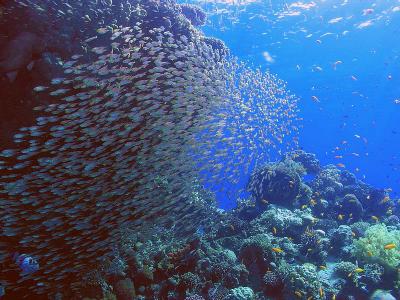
321, 292
390, 246
298, 294
340, 165
384, 200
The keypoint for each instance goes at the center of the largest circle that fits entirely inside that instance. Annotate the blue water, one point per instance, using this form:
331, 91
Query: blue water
356, 113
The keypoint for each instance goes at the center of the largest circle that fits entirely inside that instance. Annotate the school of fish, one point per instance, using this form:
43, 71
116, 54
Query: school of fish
138, 103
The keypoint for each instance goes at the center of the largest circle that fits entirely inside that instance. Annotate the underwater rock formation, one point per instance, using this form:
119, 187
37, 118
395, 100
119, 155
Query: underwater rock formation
309, 161
20, 53
351, 206
277, 183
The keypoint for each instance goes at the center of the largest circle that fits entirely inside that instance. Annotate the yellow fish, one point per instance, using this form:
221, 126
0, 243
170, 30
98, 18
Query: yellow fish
277, 250
375, 218
321, 292
359, 270
389, 246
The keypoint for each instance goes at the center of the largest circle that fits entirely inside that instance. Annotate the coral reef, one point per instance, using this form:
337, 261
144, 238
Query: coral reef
279, 252
308, 160
379, 245
240, 293
99, 187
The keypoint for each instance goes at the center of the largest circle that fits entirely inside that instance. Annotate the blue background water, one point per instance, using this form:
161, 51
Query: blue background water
358, 115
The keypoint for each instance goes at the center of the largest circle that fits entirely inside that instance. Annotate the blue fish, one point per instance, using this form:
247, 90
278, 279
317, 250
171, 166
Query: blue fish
27, 263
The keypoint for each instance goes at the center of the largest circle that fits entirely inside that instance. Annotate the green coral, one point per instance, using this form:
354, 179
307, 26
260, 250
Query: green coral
371, 248
284, 220
240, 293
303, 280
256, 249
344, 268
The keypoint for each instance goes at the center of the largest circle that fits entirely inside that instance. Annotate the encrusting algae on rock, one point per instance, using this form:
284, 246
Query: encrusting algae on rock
141, 110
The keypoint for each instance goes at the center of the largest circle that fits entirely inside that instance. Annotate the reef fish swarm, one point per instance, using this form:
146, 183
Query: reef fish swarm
141, 113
